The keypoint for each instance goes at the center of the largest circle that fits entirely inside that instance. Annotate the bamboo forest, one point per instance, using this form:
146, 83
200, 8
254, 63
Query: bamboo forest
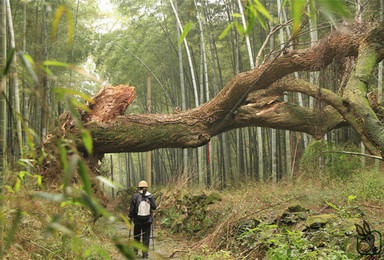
191, 129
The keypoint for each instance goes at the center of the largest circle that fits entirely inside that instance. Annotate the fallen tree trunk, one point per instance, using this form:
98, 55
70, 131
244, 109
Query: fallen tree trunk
259, 91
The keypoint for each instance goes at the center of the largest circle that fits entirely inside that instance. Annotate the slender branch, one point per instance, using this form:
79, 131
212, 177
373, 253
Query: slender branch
358, 154
274, 30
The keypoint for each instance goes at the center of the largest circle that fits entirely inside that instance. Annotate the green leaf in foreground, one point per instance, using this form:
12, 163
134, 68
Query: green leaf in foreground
109, 183
225, 32
56, 20
185, 32
56, 197
84, 177
12, 230
87, 139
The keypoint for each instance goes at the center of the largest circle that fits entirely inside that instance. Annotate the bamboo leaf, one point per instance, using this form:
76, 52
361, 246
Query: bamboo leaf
74, 68
351, 197
9, 189
29, 134
56, 20
262, 22
9, 62
80, 105
125, 250
57, 227
46, 70
28, 63
240, 28
284, 3
334, 6
71, 168
12, 230
55, 197
56, 63
63, 157
84, 177
39, 181
87, 139
185, 32
332, 205
126, 221
17, 185
298, 9
90, 252
109, 183
26, 163
93, 205
222, 35
261, 9
63, 91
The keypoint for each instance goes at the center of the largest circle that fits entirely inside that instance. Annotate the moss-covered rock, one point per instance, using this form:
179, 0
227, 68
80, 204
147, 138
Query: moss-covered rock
318, 221
295, 213
188, 212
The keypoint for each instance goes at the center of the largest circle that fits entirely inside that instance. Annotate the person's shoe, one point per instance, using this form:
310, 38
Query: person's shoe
145, 255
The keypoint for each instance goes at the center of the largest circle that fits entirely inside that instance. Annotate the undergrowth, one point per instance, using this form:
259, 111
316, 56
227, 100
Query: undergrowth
247, 221
54, 230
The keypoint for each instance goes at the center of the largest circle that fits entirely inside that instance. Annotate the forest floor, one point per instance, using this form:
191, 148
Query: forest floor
248, 221
158, 249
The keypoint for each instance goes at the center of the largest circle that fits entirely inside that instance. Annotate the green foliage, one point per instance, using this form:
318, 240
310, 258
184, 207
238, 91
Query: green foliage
254, 11
324, 159
211, 254
287, 244
337, 7
367, 185
346, 211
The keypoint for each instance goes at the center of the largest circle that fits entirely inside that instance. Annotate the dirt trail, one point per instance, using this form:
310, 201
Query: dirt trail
163, 248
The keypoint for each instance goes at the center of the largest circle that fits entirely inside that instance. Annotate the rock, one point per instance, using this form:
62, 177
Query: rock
292, 215
318, 221
297, 208
348, 225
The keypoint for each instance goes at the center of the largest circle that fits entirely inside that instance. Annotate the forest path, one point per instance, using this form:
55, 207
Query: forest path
162, 248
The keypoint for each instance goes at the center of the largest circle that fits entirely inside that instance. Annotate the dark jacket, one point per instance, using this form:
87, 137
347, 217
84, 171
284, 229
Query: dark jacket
135, 206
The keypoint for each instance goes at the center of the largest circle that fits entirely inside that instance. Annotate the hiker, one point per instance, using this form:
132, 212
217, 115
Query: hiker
140, 212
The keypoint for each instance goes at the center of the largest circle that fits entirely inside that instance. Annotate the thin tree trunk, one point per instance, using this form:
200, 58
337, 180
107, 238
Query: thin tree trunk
286, 132
112, 179
25, 92
44, 88
299, 95
189, 56
199, 151
183, 98
3, 113
73, 44
15, 80
203, 72
246, 36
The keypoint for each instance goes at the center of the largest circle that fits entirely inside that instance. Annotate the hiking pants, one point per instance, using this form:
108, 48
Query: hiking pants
144, 231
